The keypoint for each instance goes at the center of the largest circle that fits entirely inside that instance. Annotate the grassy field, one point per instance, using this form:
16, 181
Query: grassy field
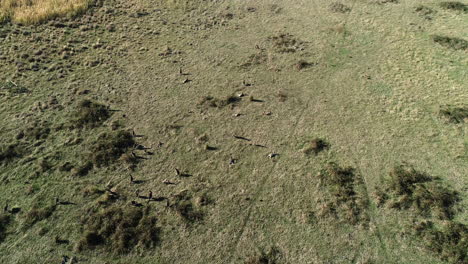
236, 132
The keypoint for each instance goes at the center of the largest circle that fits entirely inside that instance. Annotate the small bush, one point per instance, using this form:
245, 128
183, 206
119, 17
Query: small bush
449, 42
454, 6
454, 114
449, 242
90, 114
109, 147
38, 214
119, 230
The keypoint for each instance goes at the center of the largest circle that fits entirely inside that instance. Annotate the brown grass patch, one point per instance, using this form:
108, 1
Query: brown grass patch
36, 11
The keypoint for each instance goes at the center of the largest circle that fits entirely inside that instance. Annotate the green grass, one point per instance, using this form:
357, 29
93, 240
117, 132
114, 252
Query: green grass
339, 126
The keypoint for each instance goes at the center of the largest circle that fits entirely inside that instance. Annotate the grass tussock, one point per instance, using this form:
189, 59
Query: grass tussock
110, 146
38, 214
450, 42
452, 5
37, 11
454, 114
449, 242
119, 230
348, 200
184, 207
424, 10
256, 59
90, 114
39, 131
11, 87
338, 7
10, 152
4, 222
271, 256
285, 43
82, 170
410, 189
316, 146
219, 103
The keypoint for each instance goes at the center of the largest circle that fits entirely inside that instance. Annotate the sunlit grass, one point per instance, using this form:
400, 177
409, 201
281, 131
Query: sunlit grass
36, 11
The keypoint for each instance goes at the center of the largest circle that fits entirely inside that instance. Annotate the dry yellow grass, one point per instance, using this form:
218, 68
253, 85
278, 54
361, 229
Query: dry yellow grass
36, 11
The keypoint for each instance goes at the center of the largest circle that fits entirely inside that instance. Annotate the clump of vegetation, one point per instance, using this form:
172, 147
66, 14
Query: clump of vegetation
90, 114
339, 8
272, 256
43, 165
448, 242
82, 170
110, 146
316, 146
38, 214
449, 42
285, 43
11, 87
452, 5
454, 114
184, 207
38, 131
348, 200
10, 152
119, 229
302, 64
4, 222
255, 59
415, 190
36, 11
282, 96
424, 11
219, 103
